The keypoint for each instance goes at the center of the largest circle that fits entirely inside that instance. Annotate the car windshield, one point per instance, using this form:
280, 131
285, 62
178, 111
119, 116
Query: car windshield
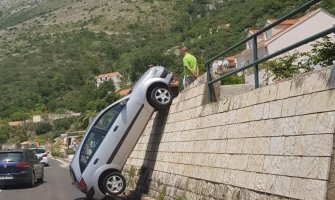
11, 156
98, 133
38, 151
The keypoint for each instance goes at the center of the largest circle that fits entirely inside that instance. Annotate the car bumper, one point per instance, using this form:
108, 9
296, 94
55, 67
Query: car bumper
45, 160
14, 179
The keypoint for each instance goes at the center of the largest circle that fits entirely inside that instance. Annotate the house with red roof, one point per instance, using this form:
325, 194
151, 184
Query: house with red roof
285, 34
15, 123
113, 76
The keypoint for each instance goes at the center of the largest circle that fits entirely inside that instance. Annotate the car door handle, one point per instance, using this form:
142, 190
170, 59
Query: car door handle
116, 127
96, 161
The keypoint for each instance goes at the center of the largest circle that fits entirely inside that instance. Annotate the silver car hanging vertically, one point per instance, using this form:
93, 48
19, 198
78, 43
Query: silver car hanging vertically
111, 137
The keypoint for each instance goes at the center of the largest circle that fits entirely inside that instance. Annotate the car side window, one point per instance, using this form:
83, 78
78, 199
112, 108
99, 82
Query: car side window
98, 133
108, 118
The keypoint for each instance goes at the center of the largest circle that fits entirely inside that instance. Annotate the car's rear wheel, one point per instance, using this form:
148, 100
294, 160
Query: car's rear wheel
114, 183
32, 180
160, 97
41, 179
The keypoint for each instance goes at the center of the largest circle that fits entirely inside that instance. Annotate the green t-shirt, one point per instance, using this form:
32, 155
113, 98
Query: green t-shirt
191, 62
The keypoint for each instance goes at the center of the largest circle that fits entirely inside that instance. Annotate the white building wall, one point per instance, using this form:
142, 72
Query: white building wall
311, 26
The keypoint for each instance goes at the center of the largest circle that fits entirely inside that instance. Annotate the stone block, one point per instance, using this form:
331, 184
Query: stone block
283, 89
252, 97
297, 86
321, 145
277, 145
248, 145
258, 129
238, 162
263, 94
324, 168
283, 185
292, 165
232, 146
223, 147
298, 188
260, 182
273, 127
243, 130
214, 146
246, 114
309, 167
275, 109
267, 164
273, 89
291, 126
289, 145
307, 124
320, 101
251, 180
278, 165
226, 176
304, 104
266, 111
235, 103
270, 183
244, 100
256, 163
262, 146
257, 111
315, 190
325, 122
302, 144
289, 106
223, 105
232, 131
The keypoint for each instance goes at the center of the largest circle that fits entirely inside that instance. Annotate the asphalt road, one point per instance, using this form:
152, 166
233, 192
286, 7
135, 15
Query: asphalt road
56, 186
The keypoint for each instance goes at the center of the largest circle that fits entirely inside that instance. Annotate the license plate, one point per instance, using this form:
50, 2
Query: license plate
6, 177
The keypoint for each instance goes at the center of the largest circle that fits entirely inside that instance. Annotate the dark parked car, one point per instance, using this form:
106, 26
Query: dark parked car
20, 166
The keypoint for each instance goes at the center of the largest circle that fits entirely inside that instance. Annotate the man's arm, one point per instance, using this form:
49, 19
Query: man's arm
192, 72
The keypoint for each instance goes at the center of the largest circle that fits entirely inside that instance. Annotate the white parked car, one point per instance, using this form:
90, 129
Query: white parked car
42, 155
110, 138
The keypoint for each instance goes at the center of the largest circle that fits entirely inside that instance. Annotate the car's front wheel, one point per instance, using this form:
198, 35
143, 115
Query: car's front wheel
114, 183
160, 97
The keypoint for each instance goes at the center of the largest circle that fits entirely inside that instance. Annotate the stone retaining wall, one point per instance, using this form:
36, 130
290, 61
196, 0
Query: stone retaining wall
275, 142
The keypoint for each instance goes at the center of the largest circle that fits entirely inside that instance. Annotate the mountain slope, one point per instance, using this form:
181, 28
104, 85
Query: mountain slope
51, 50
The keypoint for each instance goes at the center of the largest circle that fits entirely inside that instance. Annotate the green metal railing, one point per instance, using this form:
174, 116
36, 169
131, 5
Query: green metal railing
256, 60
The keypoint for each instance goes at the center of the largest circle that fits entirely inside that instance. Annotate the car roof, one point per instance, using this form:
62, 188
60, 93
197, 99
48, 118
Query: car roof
14, 150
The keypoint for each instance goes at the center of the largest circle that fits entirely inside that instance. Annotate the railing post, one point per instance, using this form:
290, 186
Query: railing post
255, 59
209, 79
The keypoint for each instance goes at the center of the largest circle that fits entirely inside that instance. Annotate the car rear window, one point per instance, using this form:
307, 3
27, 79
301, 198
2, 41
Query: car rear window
11, 156
38, 151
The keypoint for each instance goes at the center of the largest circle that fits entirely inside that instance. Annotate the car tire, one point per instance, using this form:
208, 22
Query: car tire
160, 97
114, 183
31, 184
41, 180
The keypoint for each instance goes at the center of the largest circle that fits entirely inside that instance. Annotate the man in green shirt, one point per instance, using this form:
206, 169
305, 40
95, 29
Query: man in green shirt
191, 71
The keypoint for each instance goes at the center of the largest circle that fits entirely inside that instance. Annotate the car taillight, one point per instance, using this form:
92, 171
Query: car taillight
22, 165
45, 155
82, 185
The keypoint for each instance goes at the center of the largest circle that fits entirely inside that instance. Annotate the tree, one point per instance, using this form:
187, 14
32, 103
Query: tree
322, 53
286, 66
43, 127
4, 132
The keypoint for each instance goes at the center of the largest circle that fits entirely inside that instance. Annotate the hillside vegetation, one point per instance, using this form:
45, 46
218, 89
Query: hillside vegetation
52, 49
